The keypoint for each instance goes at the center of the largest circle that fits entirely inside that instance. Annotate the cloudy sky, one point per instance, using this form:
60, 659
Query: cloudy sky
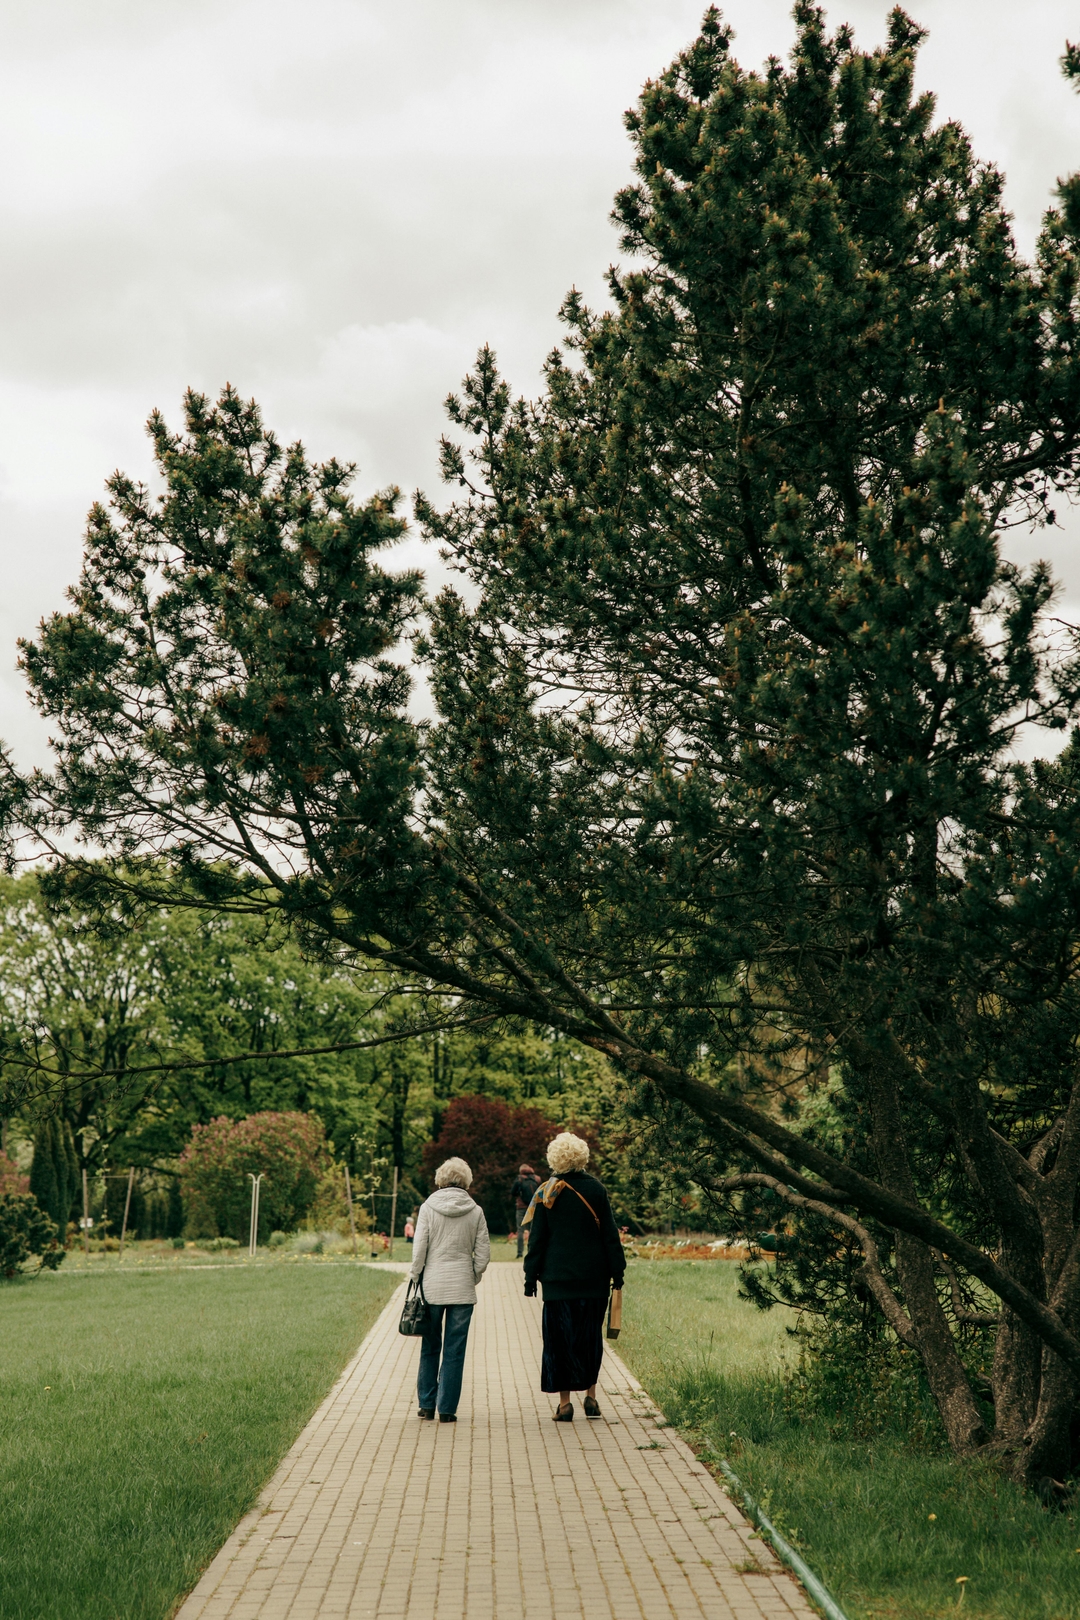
333, 205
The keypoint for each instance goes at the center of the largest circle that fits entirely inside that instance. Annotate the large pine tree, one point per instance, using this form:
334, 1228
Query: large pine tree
724, 778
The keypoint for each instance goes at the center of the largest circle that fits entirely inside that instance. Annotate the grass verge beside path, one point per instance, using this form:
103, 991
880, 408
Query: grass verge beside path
854, 1495
141, 1414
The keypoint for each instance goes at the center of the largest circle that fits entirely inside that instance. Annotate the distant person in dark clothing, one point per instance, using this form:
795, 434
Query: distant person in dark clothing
522, 1193
576, 1253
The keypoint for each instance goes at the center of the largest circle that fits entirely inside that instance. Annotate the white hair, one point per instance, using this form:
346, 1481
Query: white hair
567, 1152
453, 1173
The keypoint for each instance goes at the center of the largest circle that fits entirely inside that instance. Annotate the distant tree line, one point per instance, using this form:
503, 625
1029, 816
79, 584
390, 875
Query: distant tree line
89, 1016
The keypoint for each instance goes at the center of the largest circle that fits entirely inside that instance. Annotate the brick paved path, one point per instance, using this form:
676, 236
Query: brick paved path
504, 1515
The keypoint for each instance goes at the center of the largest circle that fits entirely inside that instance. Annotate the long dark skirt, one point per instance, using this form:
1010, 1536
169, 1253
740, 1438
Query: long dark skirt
573, 1344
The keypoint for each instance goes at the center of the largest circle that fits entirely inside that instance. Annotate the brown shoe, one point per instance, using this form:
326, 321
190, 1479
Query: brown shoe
592, 1407
565, 1414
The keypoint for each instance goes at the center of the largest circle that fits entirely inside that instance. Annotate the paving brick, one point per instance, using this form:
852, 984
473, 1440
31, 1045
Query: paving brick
375, 1515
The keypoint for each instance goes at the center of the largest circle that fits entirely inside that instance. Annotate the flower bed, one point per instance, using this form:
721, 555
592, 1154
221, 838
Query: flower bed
661, 1249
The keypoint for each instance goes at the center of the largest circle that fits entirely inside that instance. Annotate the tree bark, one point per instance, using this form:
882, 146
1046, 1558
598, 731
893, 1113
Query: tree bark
1043, 1457
945, 1372
1015, 1377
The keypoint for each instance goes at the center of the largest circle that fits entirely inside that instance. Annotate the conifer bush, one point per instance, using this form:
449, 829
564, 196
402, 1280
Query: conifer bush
25, 1230
54, 1171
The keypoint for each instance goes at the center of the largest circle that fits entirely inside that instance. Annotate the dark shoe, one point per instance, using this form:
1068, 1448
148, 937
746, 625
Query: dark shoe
565, 1414
447, 1417
426, 1412
592, 1407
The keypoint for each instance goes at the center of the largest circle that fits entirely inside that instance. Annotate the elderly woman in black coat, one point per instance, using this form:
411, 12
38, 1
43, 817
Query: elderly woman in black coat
576, 1254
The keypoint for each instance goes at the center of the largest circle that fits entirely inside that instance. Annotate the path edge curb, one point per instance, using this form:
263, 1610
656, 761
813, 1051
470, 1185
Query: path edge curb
816, 1588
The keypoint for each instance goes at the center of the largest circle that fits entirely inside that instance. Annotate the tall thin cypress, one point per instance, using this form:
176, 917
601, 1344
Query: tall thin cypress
43, 1178
174, 1220
67, 1172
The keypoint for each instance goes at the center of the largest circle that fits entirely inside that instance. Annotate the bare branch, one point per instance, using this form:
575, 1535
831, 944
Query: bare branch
70, 1076
960, 1310
870, 1270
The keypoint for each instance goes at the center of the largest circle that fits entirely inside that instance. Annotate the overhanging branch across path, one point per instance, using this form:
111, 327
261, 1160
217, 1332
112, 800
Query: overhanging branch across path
73, 1076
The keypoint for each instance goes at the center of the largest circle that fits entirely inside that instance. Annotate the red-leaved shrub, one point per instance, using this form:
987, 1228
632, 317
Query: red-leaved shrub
290, 1151
493, 1139
12, 1179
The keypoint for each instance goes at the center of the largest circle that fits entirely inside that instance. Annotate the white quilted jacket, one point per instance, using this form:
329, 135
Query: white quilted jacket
451, 1247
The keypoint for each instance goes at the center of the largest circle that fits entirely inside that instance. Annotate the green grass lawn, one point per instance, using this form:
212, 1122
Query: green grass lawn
140, 1414
857, 1503
501, 1250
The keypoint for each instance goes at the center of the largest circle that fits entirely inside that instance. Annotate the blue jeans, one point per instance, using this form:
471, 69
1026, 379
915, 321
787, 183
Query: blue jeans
440, 1386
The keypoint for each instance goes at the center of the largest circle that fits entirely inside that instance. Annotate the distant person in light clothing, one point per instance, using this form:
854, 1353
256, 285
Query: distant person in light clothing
451, 1251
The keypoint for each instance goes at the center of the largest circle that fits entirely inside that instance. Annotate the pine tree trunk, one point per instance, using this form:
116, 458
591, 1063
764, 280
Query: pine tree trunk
1016, 1378
1043, 1458
945, 1372
1018, 1351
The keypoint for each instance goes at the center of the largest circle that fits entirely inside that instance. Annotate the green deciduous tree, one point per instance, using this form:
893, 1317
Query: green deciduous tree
723, 783
134, 1034
289, 1150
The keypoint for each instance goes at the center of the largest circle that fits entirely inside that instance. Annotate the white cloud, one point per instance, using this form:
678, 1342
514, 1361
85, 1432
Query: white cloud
333, 206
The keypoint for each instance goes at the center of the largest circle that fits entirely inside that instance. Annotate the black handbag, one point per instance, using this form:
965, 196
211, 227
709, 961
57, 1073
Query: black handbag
414, 1312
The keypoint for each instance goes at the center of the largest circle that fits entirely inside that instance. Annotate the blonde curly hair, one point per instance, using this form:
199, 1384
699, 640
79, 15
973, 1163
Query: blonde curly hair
453, 1173
567, 1152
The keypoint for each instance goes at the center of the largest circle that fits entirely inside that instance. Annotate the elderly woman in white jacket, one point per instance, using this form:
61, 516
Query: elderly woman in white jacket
451, 1250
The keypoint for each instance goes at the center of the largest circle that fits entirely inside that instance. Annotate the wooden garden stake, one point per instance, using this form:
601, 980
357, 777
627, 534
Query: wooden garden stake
393, 1212
348, 1200
127, 1209
85, 1215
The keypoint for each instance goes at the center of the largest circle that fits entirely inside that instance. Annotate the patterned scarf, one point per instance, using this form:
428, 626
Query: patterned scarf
547, 1194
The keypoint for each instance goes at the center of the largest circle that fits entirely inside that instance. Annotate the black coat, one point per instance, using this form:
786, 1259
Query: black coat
522, 1190
568, 1253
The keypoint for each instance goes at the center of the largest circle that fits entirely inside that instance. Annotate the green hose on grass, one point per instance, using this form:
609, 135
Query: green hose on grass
783, 1549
